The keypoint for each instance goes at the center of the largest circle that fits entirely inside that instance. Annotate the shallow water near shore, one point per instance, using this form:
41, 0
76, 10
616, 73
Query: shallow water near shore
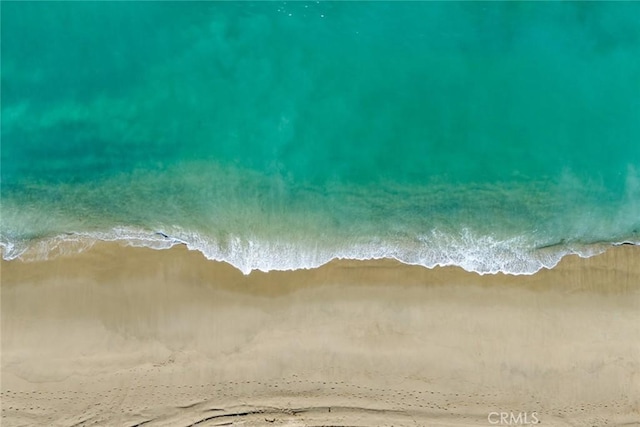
497, 137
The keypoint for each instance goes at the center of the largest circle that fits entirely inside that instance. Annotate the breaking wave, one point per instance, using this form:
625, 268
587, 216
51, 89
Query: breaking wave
472, 252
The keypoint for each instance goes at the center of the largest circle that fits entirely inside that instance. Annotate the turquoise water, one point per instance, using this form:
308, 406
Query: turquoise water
493, 136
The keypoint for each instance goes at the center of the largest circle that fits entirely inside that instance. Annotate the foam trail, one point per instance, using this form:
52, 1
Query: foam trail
483, 254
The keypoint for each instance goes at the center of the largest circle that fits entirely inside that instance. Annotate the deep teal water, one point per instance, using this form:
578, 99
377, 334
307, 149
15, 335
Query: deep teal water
494, 136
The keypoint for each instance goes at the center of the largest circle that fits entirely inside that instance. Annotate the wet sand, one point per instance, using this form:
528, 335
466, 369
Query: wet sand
130, 336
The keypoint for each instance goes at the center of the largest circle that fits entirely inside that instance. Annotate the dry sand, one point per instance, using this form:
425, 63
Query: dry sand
130, 336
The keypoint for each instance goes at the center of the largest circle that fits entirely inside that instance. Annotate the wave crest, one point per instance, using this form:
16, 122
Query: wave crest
476, 253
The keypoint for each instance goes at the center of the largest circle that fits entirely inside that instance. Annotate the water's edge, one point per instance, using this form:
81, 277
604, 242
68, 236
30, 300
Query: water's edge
247, 255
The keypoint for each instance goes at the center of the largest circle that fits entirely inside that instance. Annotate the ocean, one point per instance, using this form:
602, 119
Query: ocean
498, 136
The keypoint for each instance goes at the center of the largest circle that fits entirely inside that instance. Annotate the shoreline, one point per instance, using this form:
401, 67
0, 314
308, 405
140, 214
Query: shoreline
123, 335
611, 271
248, 256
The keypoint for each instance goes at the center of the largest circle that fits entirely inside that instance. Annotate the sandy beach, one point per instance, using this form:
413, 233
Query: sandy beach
122, 336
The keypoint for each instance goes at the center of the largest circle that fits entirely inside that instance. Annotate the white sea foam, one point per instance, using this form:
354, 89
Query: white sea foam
475, 253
